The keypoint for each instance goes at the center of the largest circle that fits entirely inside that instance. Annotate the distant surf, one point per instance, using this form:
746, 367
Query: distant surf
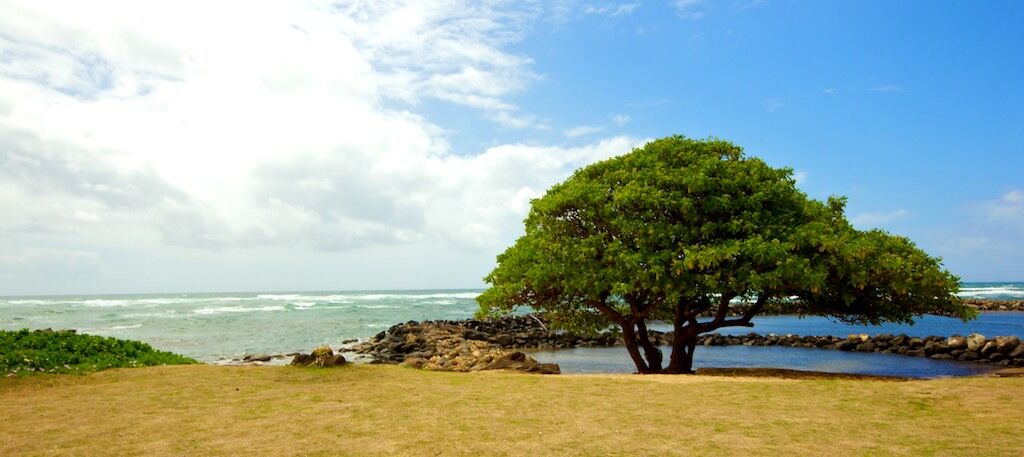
211, 326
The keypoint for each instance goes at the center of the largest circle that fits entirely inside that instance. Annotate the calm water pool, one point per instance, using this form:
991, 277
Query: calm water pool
616, 360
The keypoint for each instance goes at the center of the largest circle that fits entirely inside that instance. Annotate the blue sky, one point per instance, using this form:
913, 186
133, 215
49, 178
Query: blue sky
328, 145
914, 110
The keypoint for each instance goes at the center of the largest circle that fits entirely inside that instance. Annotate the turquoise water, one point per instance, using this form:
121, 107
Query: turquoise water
214, 326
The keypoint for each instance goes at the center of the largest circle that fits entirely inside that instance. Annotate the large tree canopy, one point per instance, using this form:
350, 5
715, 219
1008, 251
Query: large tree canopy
683, 228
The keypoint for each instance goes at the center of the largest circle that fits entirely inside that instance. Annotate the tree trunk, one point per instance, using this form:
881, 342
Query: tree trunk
629, 337
683, 344
651, 352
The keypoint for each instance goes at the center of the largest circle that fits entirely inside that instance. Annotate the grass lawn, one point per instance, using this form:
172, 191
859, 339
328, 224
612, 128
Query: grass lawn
388, 410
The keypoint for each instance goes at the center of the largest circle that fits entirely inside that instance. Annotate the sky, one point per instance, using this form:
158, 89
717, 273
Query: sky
359, 145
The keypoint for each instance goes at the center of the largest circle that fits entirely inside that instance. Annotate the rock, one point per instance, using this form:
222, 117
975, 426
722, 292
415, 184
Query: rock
956, 342
988, 348
544, 368
846, 345
996, 356
1007, 344
915, 342
303, 360
968, 356
975, 341
257, 358
935, 347
941, 356
334, 360
916, 352
1018, 352
866, 346
349, 341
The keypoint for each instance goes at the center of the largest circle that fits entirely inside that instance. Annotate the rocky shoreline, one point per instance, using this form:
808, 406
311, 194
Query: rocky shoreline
996, 305
471, 345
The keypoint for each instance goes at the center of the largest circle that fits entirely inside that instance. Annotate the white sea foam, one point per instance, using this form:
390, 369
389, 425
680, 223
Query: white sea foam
32, 302
236, 309
440, 302
367, 297
153, 302
981, 292
125, 327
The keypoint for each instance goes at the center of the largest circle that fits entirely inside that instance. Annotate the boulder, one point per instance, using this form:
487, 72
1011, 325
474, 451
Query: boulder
546, 368
866, 346
1006, 344
303, 360
957, 342
941, 356
414, 362
1018, 352
915, 342
916, 353
334, 360
846, 345
968, 356
988, 348
975, 341
257, 358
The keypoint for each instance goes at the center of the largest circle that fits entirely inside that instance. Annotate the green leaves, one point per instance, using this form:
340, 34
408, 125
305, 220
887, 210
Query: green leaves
680, 222
25, 351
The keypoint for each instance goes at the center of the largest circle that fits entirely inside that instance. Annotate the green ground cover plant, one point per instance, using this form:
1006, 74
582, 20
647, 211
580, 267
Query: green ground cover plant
27, 351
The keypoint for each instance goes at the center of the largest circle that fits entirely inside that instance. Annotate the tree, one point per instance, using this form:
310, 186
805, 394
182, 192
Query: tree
683, 228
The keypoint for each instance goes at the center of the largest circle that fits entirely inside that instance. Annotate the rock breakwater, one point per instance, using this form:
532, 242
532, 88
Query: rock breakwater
458, 346
996, 305
470, 345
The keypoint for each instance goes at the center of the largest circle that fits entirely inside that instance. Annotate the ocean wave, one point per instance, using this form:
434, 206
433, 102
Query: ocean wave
439, 302
125, 327
982, 292
236, 309
367, 297
31, 302
149, 302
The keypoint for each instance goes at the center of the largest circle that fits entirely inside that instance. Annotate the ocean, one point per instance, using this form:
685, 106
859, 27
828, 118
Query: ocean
212, 327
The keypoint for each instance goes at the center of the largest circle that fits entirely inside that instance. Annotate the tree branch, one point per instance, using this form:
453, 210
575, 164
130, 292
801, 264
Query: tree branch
743, 321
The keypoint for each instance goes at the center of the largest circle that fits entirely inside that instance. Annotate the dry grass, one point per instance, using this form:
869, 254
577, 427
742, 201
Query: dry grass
386, 410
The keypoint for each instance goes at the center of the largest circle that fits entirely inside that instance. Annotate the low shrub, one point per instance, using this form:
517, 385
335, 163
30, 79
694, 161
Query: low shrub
65, 351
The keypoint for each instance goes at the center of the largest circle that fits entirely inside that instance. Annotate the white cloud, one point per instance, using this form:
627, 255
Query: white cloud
799, 176
689, 9
879, 218
620, 119
830, 91
1013, 197
1007, 212
582, 130
611, 9
773, 104
297, 129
